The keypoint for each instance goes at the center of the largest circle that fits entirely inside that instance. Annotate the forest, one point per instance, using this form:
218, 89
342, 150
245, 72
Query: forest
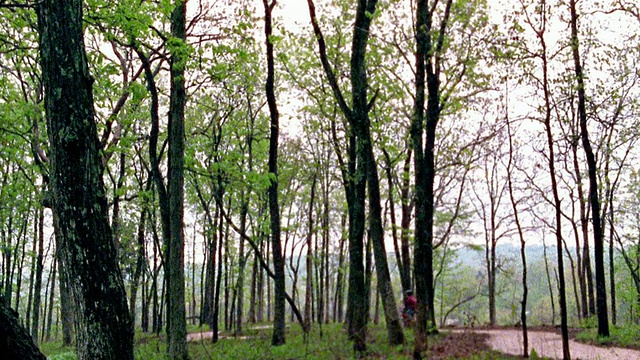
173, 168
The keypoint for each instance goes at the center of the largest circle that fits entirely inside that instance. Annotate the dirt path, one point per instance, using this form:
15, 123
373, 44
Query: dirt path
207, 335
549, 344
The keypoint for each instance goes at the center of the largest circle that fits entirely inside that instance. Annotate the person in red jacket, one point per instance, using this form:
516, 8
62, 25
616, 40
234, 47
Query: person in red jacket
409, 311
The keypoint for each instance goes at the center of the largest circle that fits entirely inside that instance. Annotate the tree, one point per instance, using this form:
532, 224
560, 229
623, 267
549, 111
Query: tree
274, 210
174, 266
541, 32
523, 257
361, 175
83, 235
494, 189
594, 200
424, 122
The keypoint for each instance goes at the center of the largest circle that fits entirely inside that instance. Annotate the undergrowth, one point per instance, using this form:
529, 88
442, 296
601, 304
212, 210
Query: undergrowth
328, 342
626, 337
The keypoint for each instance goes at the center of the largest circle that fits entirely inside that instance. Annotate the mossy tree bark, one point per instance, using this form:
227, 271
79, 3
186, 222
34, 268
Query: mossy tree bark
83, 236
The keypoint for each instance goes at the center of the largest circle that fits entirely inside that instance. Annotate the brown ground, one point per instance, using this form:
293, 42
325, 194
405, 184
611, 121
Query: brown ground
547, 343
456, 345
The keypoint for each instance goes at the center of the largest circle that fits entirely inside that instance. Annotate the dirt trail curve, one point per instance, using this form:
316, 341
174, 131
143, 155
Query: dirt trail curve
549, 344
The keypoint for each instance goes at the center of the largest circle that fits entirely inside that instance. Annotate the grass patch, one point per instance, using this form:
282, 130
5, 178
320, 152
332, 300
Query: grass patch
626, 337
55, 350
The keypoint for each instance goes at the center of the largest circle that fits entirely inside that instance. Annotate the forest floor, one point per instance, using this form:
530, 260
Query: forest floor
465, 343
546, 342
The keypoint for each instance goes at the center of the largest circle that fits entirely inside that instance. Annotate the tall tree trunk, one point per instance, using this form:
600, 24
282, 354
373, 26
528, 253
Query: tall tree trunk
523, 256
253, 297
49, 304
278, 337
388, 168
140, 262
594, 200
384, 288
156, 322
405, 221
210, 273
319, 269
556, 197
218, 282
338, 303
104, 329
612, 273
37, 287
115, 213
7, 254
176, 317
326, 238
244, 209
227, 288
309, 262
32, 268
588, 295
144, 317
368, 275
582, 302
358, 172
23, 254
425, 121
209, 267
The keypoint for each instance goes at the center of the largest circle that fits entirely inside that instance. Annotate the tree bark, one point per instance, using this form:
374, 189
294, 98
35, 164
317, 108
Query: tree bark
15, 341
140, 261
523, 244
37, 287
424, 122
360, 124
48, 306
67, 313
104, 328
338, 302
309, 259
176, 317
244, 210
278, 337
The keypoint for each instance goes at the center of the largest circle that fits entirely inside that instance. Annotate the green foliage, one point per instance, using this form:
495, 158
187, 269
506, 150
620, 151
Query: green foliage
533, 354
64, 356
256, 345
57, 351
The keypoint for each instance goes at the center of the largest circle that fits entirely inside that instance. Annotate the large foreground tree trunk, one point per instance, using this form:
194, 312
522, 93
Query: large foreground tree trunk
15, 342
176, 317
104, 328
